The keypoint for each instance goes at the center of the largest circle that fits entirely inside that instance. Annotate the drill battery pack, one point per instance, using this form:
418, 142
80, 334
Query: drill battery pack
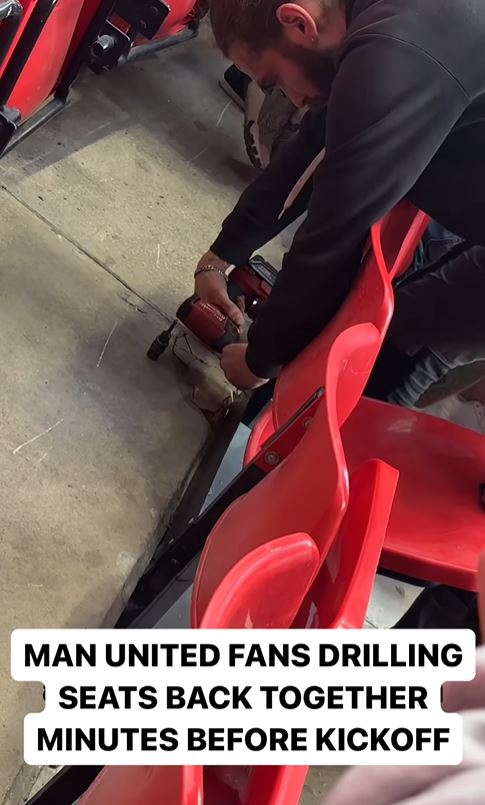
253, 282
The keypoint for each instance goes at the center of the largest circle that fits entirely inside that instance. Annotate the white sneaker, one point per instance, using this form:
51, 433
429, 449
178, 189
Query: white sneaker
455, 409
445, 409
471, 415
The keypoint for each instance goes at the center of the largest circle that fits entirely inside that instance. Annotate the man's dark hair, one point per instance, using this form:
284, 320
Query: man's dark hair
251, 22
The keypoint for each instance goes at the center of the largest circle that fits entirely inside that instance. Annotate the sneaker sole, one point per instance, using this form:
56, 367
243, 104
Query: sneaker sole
252, 147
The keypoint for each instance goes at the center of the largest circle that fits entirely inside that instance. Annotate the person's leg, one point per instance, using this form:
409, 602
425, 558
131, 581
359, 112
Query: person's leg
466, 408
476, 392
438, 325
436, 242
258, 401
464, 381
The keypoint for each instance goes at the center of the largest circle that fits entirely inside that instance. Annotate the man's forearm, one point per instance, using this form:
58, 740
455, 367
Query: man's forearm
256, 218
306, 296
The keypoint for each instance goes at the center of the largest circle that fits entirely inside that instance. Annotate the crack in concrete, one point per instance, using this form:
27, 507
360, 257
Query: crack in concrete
56, 230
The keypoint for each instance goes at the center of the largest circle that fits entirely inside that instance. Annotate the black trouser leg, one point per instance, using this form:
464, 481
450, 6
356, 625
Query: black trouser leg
438, 325
259, 400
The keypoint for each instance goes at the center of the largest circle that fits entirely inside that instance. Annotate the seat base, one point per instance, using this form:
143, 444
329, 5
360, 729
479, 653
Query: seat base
437, 526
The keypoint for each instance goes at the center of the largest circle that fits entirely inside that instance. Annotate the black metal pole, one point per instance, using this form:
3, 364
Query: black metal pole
141, 51
78, 59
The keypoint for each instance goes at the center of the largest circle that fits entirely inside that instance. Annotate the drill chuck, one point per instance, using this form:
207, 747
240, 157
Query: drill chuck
160, 344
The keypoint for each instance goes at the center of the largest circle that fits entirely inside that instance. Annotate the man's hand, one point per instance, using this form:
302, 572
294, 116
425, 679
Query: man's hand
212, 287
233, 363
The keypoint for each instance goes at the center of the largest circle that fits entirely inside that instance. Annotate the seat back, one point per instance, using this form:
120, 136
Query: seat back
146, 785
306, 493
392, 245
264, 589
340, 594
397, 237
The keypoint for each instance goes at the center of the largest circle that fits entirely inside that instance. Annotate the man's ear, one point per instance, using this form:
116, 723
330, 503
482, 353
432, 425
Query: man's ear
299, 25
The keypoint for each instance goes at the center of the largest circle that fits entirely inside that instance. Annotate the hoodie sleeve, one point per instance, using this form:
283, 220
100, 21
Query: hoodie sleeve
391, 108
256, 218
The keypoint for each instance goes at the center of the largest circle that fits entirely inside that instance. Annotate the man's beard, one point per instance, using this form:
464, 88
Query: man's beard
319, 67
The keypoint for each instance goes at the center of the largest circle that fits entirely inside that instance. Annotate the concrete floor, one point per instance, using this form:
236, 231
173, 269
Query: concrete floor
141, 171
104, 214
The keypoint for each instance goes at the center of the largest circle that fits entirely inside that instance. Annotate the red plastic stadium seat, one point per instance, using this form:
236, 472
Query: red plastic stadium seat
306, 493
339, 596
393, 241
437, 527
146, 785
249, 577
392, 244
31, 69
264, 590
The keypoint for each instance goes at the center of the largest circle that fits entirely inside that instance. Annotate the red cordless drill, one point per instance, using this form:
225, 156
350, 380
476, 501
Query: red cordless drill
208, 322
